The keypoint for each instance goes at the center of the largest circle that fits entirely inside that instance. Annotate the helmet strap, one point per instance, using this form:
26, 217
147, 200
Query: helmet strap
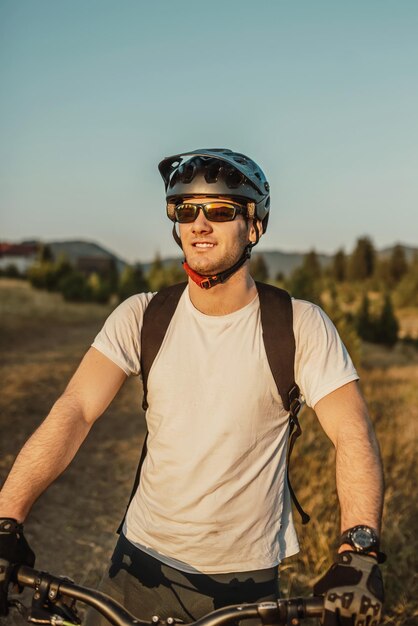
176, 236
206, 282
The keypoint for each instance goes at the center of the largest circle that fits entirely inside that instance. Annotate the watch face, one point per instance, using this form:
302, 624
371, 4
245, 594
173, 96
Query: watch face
363, 538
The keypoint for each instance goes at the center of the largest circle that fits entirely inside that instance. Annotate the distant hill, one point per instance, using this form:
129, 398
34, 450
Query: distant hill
286, 262
276, 260
410, 252
75, 250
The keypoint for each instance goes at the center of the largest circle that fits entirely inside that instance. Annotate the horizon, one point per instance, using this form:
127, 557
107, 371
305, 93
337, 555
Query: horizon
321, 95
256, 251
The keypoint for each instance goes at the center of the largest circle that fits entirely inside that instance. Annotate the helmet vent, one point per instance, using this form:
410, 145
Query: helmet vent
212, 172
187, 172
234, 178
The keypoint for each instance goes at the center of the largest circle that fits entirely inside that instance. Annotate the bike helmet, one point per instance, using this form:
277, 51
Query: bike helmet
217, 172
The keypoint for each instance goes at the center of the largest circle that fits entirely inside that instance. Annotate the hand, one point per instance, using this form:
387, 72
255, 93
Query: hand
353, 590
14, 550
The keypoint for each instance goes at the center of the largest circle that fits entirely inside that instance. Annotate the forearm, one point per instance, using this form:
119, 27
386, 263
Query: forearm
359, 477
44, 457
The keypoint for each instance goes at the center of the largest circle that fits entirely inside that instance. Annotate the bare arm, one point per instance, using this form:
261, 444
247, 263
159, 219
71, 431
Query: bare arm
54, 444
359, 475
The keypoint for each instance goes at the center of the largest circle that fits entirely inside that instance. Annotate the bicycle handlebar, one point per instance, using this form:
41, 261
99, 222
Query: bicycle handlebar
51, 588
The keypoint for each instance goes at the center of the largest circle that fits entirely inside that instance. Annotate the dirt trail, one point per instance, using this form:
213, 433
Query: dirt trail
72, 526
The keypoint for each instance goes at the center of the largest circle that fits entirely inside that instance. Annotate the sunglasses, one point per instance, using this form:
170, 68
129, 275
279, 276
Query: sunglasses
216, 211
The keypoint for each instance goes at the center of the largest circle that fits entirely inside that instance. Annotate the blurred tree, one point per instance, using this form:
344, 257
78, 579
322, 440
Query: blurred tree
258, 268
406, 293
11, 271
160, 276
398, 265
387, 326
383, 274
131, 281
339, 266
99, 288
311, 265
45, 254
156, 277
345, 326
74, 287
47, 275
301, 285
174, 273
364, 323
362, 260
305, 281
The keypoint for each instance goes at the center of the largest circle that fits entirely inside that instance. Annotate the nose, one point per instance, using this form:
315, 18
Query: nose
201, 223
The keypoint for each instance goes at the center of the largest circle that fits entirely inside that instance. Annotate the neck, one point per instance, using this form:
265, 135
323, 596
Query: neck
234, 294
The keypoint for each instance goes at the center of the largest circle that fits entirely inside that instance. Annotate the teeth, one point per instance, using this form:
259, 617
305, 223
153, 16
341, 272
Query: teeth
204, 245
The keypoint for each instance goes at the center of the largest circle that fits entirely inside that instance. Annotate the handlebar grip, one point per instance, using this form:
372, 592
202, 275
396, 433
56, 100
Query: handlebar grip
314, 606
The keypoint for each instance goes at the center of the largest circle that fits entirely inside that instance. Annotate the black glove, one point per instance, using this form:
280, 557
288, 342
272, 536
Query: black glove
14, 550
353, 590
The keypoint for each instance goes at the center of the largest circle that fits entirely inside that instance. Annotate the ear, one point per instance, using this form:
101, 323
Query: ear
252, 235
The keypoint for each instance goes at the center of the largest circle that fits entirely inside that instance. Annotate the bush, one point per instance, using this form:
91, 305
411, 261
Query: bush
387, 326
406, 293
11, 271
382, 328
48, 275
74, 287
160, 276
302, 285
99, 289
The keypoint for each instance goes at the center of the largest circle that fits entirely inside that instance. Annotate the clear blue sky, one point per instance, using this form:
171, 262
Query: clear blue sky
323, 94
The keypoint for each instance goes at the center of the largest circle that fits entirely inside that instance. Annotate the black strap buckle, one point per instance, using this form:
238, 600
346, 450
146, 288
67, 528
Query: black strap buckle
294, 401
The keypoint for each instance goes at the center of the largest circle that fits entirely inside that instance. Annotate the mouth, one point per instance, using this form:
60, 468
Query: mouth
203, 245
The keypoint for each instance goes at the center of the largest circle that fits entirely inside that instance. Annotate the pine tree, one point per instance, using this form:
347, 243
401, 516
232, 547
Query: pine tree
156, 276
258, 268
311, 265
131, 281
305, 280
387, 326
45, 254
302, 285
362, 260
363, 321
398, 265
339, 266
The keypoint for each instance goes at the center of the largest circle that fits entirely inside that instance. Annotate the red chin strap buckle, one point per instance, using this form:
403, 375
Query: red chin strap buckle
204, 282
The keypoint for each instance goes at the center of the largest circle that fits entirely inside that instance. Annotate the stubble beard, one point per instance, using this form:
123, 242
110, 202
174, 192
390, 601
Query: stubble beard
207, 267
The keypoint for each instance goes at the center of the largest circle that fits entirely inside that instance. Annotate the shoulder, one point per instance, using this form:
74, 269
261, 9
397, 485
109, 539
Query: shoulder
307, 316
133, 307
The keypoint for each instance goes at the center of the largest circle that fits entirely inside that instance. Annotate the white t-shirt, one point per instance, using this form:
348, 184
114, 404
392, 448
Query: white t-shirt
213, 496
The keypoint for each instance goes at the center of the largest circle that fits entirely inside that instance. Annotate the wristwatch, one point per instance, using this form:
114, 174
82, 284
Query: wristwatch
362, 538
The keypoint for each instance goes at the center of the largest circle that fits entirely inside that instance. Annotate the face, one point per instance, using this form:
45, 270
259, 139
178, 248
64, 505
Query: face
212, 247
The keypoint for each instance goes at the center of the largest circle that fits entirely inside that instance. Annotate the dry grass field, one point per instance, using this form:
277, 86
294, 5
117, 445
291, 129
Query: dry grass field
72, 526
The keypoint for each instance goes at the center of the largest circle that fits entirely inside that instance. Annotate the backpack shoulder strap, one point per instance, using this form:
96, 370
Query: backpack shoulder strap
279, 341
157, 318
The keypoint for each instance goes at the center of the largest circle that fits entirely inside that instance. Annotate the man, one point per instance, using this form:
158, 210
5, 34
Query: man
211, 518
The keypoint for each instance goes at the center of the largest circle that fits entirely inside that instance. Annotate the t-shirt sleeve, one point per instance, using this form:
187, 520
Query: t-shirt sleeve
120, 338
322, 363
